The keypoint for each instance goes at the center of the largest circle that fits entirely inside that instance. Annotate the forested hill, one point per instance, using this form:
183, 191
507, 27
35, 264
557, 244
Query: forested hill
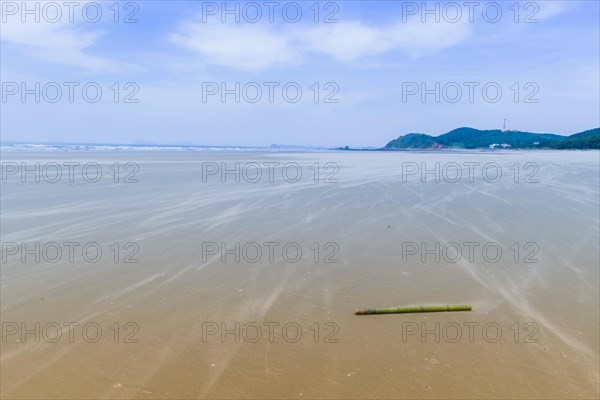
470, 138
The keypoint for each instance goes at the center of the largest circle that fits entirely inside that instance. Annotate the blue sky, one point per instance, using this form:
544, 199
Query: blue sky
372, 59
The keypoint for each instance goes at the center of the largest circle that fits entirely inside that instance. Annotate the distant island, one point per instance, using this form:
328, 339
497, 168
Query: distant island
470, 138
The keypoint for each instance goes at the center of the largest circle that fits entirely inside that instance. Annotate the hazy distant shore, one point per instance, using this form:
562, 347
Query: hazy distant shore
457, 139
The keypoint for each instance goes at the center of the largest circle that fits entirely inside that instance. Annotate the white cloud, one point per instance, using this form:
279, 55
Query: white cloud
547, 9
255, 48
346, 42
349, 42
243, 47
62, 42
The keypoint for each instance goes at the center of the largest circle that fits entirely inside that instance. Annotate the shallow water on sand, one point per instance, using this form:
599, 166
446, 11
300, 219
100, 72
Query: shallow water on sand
364, 232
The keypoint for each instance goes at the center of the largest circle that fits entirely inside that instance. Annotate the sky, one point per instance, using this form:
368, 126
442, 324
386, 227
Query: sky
356, 73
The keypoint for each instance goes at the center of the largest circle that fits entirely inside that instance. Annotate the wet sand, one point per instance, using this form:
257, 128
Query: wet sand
548, 311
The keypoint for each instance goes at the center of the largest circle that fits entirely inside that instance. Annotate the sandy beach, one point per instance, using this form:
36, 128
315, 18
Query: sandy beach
225, 280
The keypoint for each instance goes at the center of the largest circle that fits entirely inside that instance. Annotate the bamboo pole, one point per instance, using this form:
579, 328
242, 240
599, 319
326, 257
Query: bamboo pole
412, 309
